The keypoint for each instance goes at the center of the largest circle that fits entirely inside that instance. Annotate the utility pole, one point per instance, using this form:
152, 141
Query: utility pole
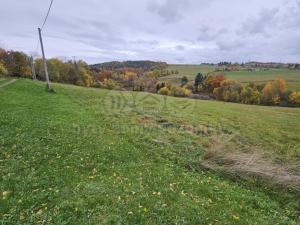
44, 60
33, 68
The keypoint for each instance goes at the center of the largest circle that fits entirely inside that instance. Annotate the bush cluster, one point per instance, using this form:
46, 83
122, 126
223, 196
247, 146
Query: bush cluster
164, 91
109, 84
272, 93
294, 98
175, 91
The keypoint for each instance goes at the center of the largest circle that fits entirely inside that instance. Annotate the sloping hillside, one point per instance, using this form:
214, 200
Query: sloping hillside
91, 156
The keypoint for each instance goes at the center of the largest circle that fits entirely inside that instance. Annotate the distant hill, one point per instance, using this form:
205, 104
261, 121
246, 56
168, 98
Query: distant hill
145, 65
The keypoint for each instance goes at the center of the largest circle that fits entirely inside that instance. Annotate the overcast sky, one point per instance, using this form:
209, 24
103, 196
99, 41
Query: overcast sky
175, 31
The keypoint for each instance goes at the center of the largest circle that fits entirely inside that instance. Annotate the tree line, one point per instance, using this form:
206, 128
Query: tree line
18, 64
270, 93
144, 76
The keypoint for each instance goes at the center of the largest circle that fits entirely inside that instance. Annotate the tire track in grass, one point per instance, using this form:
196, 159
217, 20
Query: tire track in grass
8, 83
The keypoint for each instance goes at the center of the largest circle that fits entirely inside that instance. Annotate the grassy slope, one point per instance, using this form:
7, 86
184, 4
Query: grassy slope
119, 157
292, 77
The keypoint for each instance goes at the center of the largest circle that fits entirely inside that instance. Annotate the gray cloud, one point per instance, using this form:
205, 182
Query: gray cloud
262, 24
176, 31
180, 48
170, 11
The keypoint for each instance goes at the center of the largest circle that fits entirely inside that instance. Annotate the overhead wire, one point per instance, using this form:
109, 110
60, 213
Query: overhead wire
47, 15
43, 25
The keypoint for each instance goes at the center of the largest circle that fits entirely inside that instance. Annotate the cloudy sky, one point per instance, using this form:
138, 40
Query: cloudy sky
175, 31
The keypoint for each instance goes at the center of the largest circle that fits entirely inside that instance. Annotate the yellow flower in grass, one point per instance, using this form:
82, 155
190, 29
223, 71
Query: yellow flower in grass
156, 193
235, 217
39, 212
5, 194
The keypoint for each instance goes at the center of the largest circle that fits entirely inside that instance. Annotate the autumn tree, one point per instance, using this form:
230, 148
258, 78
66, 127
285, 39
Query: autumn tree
250, 95
16, 63
3, 70
294, 98
213, 80
228, 91
273, 92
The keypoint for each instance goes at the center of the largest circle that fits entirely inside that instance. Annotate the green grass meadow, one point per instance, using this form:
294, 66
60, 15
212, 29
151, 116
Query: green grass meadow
92, 156
292, 77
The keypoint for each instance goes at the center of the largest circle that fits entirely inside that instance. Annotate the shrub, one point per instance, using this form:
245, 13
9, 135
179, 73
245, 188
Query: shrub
294, 98
145, 83
229, 91
109, 84
3, 70
164, 91
179, 91
190, 87
285, 99
232, 96
273, 91
250, 95
184, 81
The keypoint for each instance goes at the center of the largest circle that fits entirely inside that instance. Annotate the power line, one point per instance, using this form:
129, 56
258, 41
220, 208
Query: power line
45, 20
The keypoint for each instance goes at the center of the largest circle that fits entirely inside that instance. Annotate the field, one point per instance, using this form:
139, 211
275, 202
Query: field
92, 156
292, 77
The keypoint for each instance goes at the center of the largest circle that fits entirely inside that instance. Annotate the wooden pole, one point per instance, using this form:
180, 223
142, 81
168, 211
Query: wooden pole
44, 60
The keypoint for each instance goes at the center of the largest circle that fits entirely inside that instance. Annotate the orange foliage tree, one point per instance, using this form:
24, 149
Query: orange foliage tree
214, 80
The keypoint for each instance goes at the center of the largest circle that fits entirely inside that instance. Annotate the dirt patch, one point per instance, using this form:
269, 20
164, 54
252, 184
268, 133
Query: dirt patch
146, 120
155, 121
199, 130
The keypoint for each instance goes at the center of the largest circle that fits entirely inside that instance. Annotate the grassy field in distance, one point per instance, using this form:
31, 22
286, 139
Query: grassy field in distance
292, 77
106, 157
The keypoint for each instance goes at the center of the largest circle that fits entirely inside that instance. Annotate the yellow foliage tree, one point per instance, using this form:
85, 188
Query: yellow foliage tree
295, 98
3, 70
164, 91
273, 91
279, 86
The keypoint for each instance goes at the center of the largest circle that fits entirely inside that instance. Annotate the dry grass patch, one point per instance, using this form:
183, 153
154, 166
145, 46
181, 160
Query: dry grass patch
254, 167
